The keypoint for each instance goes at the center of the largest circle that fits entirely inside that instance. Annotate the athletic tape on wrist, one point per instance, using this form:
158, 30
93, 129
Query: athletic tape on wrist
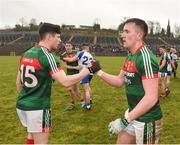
100, 73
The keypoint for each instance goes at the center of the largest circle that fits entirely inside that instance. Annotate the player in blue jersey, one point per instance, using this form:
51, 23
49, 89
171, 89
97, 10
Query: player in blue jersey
84, 58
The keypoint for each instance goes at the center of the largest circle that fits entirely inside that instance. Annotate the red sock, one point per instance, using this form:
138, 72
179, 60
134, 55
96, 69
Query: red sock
29, 141
81, 100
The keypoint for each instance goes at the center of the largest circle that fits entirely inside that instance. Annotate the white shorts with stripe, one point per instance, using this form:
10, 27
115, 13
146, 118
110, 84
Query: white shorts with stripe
145, 133
36, 121
162, 75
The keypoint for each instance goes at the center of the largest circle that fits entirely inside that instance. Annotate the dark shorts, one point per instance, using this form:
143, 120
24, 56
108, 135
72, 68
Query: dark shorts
87, 79
168, 73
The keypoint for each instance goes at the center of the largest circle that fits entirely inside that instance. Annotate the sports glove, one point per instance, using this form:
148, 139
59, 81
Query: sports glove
116, 126
94, 66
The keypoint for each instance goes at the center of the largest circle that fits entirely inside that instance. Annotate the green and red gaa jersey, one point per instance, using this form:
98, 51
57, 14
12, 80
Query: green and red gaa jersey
137, 67
36, 67
75, 63
164, 56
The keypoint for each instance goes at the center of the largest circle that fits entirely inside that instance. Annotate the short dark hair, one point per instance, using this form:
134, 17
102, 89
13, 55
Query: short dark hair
48, 28
69, 42
163, 46
168, 49
140, 23
85, 44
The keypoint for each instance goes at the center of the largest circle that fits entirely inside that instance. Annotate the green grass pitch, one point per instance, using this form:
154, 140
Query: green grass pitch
79, 126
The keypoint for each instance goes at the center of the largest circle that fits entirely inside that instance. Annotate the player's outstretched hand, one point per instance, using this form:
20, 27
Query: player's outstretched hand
94, 66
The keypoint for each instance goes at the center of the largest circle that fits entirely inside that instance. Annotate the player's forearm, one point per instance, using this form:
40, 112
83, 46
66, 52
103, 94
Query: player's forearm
148, 101
142, 107
173, 65
18, 88
73, 79
162, 65
112, 80
70, 67
18, 83
69, 59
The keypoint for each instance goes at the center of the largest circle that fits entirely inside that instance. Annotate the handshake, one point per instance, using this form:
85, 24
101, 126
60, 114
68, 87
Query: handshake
94, 66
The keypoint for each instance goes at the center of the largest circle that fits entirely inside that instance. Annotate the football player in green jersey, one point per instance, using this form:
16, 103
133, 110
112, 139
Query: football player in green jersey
38, 67
84, 57
163, 64
72, 68
141, 122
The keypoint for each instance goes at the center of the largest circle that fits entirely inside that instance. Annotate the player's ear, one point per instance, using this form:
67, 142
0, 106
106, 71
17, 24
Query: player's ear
140, 35
49, 36
46, 36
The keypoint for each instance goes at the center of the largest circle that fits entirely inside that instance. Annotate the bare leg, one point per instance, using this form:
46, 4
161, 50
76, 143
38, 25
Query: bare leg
162, 86
40, 138
29, 136
125, 138
76, 90
29, 139
72, 93
87, 92
168, 82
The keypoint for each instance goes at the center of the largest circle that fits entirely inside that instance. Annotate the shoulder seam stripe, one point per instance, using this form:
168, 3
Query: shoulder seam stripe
51, 61
54, 62
48, 59
144, 62
148, 63
149, 60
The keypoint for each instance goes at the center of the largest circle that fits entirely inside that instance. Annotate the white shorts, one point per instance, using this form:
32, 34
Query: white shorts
162, 75
145, 133
36, 121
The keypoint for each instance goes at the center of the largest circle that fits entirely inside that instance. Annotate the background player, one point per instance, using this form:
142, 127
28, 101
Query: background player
84, 57
71, 69
170, 65
163, 65
175, 60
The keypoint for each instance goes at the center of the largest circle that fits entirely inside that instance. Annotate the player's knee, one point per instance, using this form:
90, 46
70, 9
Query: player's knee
125, 138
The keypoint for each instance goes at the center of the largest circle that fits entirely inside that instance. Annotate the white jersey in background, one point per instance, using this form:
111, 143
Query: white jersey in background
169, 68
84, 58
174, 57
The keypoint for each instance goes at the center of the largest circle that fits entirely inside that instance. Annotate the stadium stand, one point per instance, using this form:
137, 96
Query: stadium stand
154, 42
172, 41
15, 43
79, 39
107, 41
